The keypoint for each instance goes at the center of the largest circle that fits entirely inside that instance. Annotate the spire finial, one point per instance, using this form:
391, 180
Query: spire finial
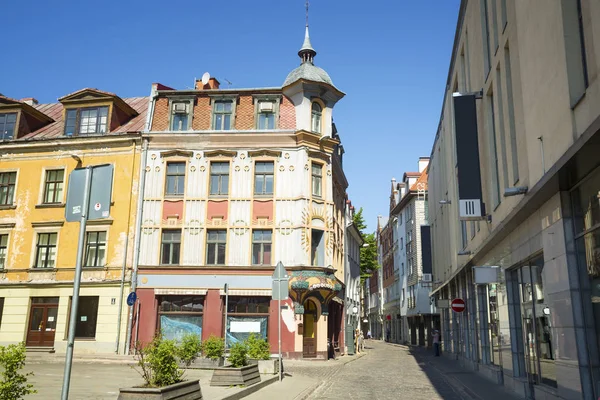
307, 4
307, 52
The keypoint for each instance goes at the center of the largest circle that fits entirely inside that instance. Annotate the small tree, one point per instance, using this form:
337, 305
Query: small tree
158, 362
13, 385
258, 348
238, 355
213, 347
368, 253
189, 348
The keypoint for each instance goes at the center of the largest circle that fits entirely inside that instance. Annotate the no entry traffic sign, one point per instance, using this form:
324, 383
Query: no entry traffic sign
458, 305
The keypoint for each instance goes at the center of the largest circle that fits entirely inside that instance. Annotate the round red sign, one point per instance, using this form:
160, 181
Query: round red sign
458, 305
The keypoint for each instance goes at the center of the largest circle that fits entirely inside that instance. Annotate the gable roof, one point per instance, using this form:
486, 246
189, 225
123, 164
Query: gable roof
56, 129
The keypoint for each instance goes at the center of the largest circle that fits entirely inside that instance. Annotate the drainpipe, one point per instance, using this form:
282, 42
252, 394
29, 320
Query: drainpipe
124, 268
138, 231
541, 139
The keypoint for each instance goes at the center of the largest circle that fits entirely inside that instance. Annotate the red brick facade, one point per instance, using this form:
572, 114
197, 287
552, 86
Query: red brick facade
202, 113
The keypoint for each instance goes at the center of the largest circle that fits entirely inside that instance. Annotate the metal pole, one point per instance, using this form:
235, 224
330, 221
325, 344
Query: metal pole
279, 333
77, 283
123, 272
226, 306
138, 238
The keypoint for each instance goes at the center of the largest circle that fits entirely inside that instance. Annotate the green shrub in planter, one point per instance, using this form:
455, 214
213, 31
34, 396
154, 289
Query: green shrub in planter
158, 362
258, 348
238, 355
213, 347
189, 348
13, 385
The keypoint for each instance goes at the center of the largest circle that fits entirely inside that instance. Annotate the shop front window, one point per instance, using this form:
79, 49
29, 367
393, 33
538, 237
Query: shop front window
180, 316
247, 315
537, 329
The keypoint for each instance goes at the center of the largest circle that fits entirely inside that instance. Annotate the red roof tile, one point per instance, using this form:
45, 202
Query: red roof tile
56, 129
422, 180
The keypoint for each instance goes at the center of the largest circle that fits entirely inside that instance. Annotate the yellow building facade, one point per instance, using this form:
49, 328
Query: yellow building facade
38, 248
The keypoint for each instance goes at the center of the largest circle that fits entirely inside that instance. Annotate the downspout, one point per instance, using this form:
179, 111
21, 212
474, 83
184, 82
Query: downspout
138, 230
124, 269
138, 216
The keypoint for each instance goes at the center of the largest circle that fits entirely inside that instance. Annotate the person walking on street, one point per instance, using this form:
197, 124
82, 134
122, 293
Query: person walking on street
388, 334
369, 334
436, 342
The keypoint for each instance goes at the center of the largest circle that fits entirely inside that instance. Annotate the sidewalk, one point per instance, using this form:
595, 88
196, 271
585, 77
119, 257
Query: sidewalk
470, 382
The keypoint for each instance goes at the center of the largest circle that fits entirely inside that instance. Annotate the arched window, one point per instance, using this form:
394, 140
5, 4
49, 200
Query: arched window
316, 117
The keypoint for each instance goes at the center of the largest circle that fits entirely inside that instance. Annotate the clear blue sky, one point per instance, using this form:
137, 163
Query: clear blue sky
390, 58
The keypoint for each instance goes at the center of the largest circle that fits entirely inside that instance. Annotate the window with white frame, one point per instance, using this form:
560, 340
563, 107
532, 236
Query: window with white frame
219, 178
222, 115
7, 125
316, 116
317, 179
3, 250
86, 121
53, 186
8, 181
180, 115
45, 250
216, 246
266, 115
95, 249
263, 178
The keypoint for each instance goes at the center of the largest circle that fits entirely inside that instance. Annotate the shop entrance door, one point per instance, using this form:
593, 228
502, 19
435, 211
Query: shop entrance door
42, 322
309, 339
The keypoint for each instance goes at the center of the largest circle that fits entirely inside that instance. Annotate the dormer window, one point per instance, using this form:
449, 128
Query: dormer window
86, 121
7, 125
266, 115
222, 115
180, 115
316, 114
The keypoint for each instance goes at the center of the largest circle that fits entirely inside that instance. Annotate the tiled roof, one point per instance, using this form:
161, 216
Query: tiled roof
422, 179
308, 72
56, 128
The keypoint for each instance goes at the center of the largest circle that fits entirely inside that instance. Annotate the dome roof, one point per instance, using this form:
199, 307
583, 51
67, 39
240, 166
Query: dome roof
308, 72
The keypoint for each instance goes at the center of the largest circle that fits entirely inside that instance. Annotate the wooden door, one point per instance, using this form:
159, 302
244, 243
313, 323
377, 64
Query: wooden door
42, 325
309, 339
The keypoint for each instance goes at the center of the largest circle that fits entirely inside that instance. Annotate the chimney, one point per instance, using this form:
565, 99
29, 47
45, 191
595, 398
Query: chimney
30, 101
402, 187
213, 83
423, 162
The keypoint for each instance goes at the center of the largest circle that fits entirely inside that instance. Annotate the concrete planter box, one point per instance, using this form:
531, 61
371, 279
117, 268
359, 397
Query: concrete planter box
270, 366
188, 390
204, 363
229, 376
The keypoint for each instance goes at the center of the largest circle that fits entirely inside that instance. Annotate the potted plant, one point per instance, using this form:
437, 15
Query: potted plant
259, 352
213, 351
189, 349
158, 365
239, 372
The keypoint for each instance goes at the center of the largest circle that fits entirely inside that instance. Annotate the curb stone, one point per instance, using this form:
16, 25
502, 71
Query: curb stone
251, 389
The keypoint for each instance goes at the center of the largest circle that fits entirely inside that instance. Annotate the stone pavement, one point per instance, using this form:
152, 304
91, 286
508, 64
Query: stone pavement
101, 381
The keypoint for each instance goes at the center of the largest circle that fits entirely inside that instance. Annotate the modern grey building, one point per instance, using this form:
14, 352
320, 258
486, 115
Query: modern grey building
514, 184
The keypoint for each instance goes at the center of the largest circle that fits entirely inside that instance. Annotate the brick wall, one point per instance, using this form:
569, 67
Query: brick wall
287, 114
202, 114
160, 120
244, 114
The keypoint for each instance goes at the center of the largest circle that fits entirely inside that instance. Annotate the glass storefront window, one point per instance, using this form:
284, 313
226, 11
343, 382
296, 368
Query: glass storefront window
503, 340
247, 315
180, 316
537, 329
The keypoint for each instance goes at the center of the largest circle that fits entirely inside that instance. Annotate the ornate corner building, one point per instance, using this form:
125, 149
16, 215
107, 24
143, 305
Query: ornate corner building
234, 181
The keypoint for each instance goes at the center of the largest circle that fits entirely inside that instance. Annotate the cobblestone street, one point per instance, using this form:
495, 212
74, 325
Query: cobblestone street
387, 372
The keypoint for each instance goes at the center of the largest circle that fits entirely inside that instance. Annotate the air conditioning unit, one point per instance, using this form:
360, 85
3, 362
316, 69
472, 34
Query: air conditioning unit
265, 106
180, 108
426, 278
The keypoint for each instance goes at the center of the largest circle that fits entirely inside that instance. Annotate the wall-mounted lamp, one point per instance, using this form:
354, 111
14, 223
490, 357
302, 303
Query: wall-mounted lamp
464, 253
546, 310
444, 202
515, 191
365, 320
365, 245
354, 310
